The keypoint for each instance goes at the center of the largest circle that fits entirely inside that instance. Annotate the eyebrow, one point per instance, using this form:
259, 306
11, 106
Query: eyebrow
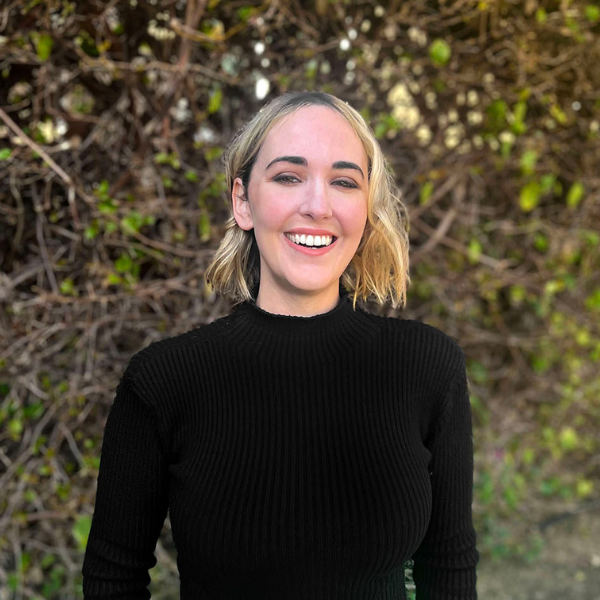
300, 160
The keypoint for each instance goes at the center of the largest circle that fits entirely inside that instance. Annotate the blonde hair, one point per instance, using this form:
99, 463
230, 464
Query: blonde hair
379, 267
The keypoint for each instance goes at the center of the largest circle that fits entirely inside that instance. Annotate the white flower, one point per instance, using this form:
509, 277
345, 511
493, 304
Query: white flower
424, 134
180, 112
262, 87
404, 109
464, 147
61, 127
345, 44
431, 100
204, 134
472, 98
474, 117
453, 135
417, 35
507, 137
414, 87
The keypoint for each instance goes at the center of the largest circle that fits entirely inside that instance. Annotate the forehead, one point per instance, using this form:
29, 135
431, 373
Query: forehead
319, 132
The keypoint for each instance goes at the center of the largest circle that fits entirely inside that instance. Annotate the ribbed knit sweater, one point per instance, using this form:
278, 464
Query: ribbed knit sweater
300, 458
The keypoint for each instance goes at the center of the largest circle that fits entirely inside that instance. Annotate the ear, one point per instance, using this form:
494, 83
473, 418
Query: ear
241, 206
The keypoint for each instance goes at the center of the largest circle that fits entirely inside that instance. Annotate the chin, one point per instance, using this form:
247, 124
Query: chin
311, 286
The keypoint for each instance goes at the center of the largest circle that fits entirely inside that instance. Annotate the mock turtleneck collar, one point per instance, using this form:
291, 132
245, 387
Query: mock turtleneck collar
292, 324
342, 322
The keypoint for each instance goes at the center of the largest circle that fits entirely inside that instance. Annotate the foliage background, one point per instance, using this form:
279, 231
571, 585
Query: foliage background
113, 118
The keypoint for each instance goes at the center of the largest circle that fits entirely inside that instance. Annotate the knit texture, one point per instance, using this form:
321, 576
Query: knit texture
300, 458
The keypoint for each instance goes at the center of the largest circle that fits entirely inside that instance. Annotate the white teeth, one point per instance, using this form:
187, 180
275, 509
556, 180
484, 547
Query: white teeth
309, 240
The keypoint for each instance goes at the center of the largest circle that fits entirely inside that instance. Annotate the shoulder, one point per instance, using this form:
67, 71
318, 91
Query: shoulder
429, 342
154, 357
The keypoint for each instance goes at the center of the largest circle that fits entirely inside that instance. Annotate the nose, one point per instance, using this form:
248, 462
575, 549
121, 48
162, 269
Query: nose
317, 202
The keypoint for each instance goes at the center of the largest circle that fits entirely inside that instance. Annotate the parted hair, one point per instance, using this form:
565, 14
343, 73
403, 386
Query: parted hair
379, 268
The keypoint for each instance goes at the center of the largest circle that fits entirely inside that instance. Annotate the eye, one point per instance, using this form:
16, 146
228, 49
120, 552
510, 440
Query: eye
286, 179
344, 183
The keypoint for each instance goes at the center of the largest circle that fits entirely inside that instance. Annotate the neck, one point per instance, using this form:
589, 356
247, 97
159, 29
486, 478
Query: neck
299, 305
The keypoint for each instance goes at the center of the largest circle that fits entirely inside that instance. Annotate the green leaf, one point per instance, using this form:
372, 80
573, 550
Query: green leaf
474, 250
529, 196
191, 176
425, 192
528, 162
81, 530
133, 222
440, 52
67, 287
592, 13
215, 100
519, 111
568, 439
108, 207
584, 488
380, 130
124, 264
213, 153
245, 12
547, 182
592, 302
204, 228
496, 114
43, 45
558, 114
103, 189
5, 153
541, 242
541, 15
15, 428
91, 231
47, 560
575, 194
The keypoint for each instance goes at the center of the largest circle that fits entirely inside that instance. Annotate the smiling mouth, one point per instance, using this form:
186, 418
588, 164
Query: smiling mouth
311, 241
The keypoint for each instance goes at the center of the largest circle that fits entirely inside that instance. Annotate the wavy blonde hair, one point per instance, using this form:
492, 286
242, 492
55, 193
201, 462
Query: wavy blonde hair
379, 267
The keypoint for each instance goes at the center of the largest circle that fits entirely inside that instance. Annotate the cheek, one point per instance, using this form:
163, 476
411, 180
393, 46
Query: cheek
356, 219
270, 214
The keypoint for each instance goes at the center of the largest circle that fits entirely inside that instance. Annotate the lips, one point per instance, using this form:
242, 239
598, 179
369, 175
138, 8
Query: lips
313, 232
310, 251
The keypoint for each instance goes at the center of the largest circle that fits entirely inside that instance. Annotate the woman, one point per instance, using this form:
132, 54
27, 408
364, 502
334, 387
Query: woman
305, 448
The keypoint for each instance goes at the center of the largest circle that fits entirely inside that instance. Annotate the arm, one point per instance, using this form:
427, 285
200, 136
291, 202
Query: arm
444, 563
131, 503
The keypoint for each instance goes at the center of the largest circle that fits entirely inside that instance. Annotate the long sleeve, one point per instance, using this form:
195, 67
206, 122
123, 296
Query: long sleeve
131, 502
445, 562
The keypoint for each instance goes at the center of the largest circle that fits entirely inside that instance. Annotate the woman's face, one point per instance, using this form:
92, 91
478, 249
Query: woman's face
309, 178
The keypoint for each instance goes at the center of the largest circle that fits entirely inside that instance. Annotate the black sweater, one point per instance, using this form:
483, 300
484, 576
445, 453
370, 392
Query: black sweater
300, 458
